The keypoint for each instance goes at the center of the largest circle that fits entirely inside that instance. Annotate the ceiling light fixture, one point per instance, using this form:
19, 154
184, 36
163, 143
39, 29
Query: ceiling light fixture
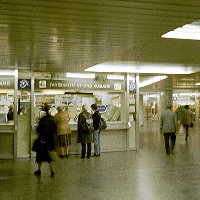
80, 75
7, 72
115, 77
152, 80
144, 68
188, 31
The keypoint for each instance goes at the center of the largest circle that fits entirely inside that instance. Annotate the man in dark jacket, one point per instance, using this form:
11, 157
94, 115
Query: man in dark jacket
96, 123
84, 132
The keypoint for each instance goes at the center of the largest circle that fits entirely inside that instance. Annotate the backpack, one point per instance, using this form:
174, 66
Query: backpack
88, 125
102, 125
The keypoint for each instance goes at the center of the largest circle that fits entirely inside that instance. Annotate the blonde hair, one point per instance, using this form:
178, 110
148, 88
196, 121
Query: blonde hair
84, 107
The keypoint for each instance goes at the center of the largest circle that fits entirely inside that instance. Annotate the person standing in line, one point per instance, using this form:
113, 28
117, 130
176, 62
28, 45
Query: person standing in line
10, 113
168, 128
46, 142
188, 118
96, 124
63, 133
84, 133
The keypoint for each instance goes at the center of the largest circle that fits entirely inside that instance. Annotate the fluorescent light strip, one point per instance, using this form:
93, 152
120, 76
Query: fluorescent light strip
50, 92
80, 75
197, 83
184, 94
152, 80
115, 77
188, 31
7, 72
140, 68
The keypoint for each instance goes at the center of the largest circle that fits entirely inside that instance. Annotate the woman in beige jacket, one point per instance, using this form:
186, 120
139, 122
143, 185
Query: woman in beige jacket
63, 132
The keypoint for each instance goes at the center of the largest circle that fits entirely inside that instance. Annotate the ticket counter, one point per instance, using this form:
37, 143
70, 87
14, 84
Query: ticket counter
109, 95
26, 92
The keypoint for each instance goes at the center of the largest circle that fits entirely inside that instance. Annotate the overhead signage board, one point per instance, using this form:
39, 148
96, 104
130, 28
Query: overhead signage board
79, 84
132, 86
101, 108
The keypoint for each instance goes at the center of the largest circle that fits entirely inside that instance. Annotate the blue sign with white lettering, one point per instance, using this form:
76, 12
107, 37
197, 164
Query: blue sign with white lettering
101, 108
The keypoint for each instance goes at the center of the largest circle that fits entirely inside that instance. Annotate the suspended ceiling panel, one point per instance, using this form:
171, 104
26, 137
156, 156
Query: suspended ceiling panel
71, 35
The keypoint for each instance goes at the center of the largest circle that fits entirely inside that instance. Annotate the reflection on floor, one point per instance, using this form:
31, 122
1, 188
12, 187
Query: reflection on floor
146, 175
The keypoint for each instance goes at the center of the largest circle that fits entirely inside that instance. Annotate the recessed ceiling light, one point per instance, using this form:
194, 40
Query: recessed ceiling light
7, 72
115, 77
80, 75
145, 68
188, 31
152, 80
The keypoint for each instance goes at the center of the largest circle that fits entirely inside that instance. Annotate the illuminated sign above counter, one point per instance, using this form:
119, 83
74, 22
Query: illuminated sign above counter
79, 84
6, 83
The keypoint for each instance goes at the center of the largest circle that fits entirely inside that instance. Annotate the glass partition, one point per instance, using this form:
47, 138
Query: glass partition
109, 103
7, 114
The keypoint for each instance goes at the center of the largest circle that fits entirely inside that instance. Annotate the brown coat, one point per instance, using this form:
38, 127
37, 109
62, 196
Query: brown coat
188, 117
62, 122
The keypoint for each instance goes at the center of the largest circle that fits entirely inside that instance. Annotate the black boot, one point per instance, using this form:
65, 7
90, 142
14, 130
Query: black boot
52, 173
37, 173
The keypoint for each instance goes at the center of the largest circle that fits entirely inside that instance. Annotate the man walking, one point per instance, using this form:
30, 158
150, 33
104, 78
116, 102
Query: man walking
188, 118
168, 128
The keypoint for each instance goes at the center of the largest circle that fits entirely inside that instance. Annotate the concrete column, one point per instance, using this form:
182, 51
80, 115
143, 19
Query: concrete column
137, 107
166, 93
15, 112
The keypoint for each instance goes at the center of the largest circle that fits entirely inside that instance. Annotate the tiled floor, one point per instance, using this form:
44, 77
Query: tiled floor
146, 175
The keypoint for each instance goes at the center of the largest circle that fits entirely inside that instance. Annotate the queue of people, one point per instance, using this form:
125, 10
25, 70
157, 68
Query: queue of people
54, 135
169, 126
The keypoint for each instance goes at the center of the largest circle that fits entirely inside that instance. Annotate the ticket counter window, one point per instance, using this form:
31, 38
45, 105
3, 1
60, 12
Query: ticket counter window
6, 106
7, 113
109, 104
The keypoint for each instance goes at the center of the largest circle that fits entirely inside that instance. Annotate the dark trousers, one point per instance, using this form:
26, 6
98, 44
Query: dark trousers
83, 151
167, 137
186, 132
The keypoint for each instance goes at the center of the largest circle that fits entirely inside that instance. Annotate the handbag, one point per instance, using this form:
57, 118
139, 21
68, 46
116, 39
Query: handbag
36, 145
191, 124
